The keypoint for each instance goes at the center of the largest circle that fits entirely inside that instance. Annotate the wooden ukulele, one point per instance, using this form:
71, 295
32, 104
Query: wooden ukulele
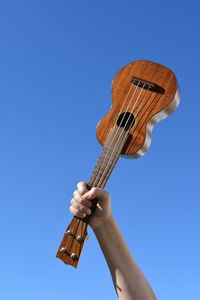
143, 93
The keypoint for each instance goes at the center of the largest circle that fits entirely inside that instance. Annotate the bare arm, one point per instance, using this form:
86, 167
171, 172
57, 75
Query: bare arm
128, 280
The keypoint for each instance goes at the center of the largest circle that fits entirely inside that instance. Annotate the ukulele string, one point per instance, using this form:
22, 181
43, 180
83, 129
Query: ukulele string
98, 164
93, 178
147, 110
79, 224
112, 166
136, 113
110, 143
118, 143
109, 137
99, 177
94, 183
102, 183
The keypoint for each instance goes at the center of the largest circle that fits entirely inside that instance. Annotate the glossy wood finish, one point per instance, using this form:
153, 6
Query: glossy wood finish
70, 244
149, 107
146, 91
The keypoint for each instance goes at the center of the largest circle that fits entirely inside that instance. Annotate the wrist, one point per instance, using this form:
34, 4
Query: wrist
102, 224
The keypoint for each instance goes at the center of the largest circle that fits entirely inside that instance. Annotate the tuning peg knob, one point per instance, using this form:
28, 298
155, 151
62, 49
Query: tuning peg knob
68, 233
79, 238
63, 250
74, 256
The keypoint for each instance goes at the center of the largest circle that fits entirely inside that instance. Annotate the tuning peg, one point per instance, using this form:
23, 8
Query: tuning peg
69, 233
79, 238
74, 256
63, 250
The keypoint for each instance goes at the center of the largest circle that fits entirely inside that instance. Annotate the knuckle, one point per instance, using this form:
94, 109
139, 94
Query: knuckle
71, 209
88, 203
81, 183
82, 187
78, 212
93, 192
79, 200
82, 216
75, 211
82, 209
75, 204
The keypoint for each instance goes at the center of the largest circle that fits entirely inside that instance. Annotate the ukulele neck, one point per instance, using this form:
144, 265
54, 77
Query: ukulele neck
76, 233
108, 157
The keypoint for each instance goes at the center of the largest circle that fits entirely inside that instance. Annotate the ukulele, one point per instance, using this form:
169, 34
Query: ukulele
143, 93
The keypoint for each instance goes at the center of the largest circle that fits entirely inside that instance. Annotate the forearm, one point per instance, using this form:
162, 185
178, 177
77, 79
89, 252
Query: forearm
129, 282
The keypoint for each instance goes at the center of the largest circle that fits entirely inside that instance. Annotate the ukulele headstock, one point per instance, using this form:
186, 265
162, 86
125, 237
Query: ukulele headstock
70, 248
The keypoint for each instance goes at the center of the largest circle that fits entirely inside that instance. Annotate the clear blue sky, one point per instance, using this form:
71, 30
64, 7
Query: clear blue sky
57, 61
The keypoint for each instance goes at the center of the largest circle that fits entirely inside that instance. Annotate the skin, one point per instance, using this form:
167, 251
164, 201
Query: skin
128, 280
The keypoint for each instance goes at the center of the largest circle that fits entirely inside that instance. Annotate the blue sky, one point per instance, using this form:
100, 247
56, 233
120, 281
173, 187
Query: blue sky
57, 61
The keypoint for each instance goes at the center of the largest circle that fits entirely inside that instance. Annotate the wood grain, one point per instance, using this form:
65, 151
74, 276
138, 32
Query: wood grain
146, 108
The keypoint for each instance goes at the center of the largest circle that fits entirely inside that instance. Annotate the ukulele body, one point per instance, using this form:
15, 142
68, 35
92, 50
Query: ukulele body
148, 106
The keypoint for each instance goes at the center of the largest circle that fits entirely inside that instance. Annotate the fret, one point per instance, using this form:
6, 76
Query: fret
108, 157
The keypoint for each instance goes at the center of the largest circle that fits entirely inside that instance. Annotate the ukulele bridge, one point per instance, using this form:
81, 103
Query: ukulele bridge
147, 85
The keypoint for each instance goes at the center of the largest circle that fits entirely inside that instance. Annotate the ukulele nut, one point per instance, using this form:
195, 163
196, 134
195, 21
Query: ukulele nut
79, 238
74, 256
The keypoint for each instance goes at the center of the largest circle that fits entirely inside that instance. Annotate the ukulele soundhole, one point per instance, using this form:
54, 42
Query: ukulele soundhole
126, 120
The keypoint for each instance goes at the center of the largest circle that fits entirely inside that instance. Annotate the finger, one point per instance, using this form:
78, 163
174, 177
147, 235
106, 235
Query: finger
76, 212
82, 208
96, 193
77, 195
81, 200
82, 187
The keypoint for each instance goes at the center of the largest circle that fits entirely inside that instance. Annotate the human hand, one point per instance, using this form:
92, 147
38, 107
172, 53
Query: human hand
82, 201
